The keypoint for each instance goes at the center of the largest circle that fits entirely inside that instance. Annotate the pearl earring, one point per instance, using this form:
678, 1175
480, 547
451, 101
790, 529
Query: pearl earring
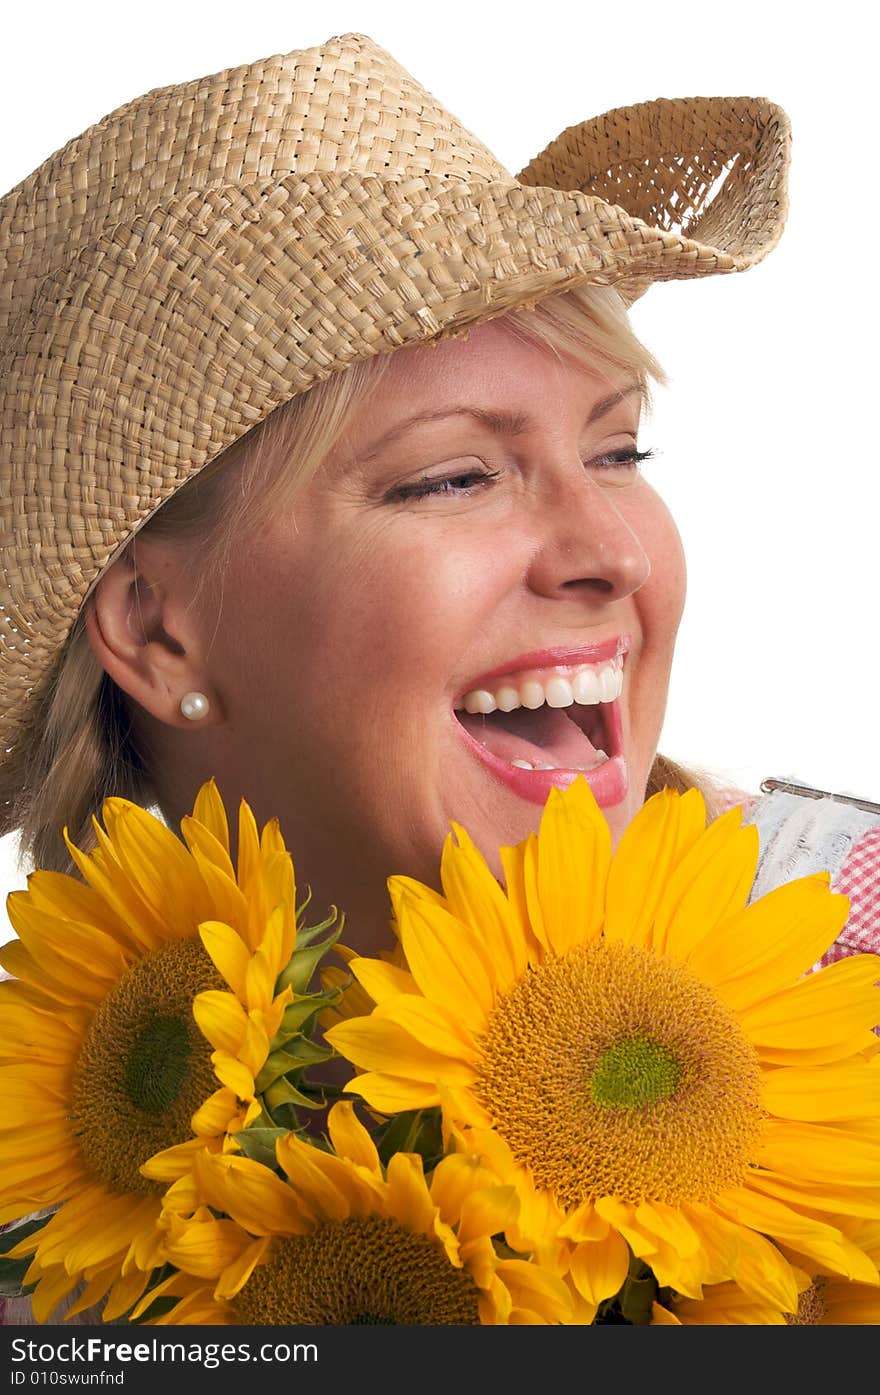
194, 706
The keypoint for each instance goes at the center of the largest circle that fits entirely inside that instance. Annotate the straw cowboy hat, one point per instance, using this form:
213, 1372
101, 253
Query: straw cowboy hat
211, 249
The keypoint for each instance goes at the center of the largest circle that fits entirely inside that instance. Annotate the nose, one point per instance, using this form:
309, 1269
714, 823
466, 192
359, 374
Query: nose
584, 545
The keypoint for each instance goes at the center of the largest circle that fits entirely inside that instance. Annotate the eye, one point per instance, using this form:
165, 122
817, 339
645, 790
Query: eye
463, 482
629, 458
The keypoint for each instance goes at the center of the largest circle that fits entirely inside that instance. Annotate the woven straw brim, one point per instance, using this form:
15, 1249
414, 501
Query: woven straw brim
177, 330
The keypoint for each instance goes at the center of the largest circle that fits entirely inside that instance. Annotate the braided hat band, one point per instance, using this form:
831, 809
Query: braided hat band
210, 250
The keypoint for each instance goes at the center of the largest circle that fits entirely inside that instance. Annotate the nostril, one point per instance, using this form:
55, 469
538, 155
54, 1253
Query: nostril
592, 583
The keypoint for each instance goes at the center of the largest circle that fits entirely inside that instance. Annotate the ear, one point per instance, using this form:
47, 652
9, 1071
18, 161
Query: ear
144, 631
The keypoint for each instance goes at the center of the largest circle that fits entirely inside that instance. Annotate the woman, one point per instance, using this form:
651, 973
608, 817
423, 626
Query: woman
223, 284
321, 461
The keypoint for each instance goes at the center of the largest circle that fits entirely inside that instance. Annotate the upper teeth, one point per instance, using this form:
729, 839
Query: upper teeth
586, 684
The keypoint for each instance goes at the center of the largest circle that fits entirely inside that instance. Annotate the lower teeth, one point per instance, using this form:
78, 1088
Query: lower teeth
601, 757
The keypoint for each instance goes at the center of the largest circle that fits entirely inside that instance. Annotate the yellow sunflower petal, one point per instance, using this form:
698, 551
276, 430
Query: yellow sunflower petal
249, 860
213, 1117
379, 1043
809, 1237
815, 1153
251, 1194
234, 1074
574, 856
826, 1009
236, 1275
350, 1139
599, 1267
662, 1317
432, 1025
513, 871
445, 959
49, 1293
228, 903
327, 1185
711, 882
771, 943
664, 830
229, 953
172, 1163
158, 866
205, 1248
409, 1200
820, 1093
123, 1294
222, 1019
453, 1179
853, 1201
145, 924
58, 893
389, 1094
475, 897
382, 981
534, 1290
209, 811
486, 1211
41, 1036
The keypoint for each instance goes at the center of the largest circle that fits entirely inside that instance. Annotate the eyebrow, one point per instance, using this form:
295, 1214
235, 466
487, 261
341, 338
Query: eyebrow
500, 423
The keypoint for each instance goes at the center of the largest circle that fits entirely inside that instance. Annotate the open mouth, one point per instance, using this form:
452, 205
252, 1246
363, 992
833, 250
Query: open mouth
541, 727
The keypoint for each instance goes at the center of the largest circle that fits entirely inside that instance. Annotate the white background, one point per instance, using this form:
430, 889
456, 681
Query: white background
765, 435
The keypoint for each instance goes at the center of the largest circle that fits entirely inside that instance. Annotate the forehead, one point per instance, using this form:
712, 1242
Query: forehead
491, 366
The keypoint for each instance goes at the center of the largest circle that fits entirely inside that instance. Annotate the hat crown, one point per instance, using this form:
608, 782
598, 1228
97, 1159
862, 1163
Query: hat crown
345, 106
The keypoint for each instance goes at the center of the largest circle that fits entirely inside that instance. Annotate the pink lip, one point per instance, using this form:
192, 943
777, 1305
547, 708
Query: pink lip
553, 658
609, 782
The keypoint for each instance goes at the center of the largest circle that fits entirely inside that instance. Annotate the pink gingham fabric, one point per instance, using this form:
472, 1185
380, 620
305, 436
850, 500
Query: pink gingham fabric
859, 879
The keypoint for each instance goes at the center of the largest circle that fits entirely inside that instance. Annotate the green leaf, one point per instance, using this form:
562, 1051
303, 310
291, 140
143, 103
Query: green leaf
295, 1056
17, 1231
259, 1144
413, 1131
298, 1015
12, 1272
282, 1092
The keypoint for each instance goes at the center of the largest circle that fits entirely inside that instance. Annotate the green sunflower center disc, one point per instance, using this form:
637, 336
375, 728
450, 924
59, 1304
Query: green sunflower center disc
635, 1073
144, 1068
362, 1271
612, 1071
157, 1065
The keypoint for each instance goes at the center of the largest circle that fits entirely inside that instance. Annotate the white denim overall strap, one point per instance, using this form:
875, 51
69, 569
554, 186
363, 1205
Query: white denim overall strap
804, 833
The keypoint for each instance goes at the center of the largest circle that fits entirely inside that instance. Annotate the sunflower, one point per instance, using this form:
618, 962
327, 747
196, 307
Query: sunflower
344, 1241
827, 1300
824, 1299
644, 1055
722, 1305
122, 1050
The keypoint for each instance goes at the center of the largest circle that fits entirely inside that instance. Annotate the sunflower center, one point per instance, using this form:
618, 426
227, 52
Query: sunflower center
811, 1306
635, 1073
615, 1072
144, 1067
157, 1064
362, 1271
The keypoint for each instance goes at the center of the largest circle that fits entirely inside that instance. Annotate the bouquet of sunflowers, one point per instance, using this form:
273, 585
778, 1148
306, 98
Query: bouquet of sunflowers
612, 1091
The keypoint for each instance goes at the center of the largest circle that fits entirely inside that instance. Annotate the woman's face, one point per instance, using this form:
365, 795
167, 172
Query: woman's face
480, 540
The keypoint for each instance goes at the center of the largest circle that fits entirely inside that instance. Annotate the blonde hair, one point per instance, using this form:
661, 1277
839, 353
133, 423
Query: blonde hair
77, 748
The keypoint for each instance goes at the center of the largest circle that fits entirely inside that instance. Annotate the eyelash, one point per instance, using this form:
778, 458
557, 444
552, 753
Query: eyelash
436, 488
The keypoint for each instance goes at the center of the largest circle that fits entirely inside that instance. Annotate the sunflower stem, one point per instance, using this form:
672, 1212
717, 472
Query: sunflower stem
636, 1297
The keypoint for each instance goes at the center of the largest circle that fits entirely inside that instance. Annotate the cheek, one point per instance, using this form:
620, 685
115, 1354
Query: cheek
661, 599
368, 611
409, 609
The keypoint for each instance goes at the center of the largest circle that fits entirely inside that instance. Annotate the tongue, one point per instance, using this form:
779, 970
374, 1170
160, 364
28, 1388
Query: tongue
546, 736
